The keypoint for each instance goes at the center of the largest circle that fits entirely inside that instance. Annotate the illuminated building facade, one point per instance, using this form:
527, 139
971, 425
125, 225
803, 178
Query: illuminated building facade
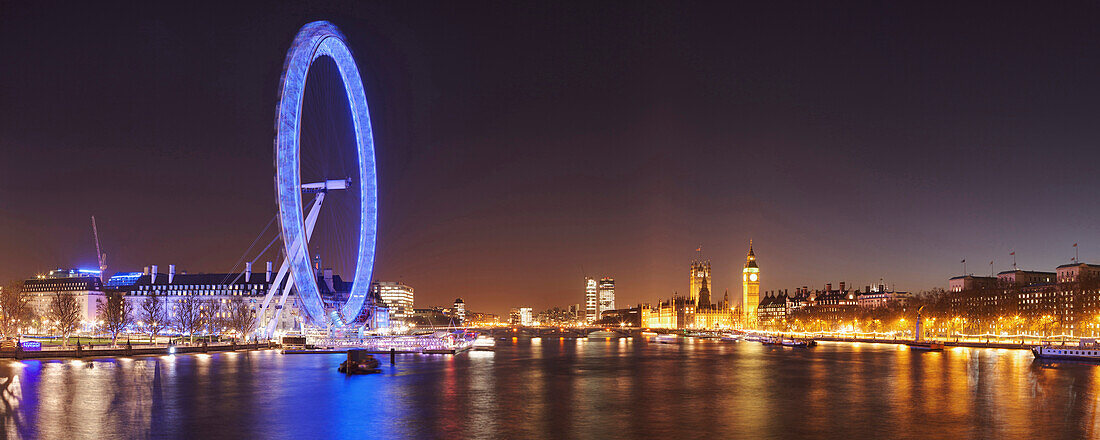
1066, 301
682, 313
522, 316
398, 297
772, 310
606, 295
458, 312
215, 290
879, 296
591, 300
86, 288
750, 286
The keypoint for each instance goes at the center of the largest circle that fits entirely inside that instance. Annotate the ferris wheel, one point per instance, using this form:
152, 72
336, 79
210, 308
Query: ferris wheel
317, 41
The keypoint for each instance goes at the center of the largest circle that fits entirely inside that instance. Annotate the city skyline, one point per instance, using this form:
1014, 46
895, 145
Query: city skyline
922, 154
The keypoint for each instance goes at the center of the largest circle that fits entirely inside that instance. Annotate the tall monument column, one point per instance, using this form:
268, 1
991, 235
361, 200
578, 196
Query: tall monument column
750, 288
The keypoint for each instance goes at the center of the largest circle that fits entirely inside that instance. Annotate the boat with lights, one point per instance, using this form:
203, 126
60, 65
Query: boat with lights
1086, 350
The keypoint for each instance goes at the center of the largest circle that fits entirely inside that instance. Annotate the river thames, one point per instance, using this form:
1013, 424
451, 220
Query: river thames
562, 389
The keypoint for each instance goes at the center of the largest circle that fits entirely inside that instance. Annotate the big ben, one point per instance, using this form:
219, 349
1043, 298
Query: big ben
750, 287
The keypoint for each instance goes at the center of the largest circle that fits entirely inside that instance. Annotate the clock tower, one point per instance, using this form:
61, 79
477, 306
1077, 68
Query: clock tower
750, 287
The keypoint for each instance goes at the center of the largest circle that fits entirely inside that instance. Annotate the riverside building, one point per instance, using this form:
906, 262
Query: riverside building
1066, 301
398, 297
591, 300
84, 285
607, 296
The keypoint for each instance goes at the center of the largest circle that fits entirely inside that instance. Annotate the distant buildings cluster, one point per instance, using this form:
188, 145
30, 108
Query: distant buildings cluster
779, 307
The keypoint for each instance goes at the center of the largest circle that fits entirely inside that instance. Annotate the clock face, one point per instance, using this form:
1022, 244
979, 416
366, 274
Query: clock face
752, 277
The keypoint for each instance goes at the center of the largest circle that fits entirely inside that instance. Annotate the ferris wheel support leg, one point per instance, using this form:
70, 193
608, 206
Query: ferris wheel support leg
272, 289
274, 323
310, 224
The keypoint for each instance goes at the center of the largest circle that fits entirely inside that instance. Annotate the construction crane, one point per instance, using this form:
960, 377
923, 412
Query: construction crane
102, 257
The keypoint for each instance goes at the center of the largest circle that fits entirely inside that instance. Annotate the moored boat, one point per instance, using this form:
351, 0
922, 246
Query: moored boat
1086, 350
925, 345
603, 334
484, 343
359, 362
799, 343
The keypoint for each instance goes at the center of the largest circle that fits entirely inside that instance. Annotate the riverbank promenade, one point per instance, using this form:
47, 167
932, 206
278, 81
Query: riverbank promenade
86, 351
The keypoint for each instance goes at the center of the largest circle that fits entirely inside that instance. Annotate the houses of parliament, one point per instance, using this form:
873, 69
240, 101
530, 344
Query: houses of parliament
700, 309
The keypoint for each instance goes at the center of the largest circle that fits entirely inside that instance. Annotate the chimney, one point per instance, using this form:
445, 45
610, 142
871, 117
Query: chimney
828, 286
841, 286
171, 272
247, 271
268, 278
145, 271
153, 275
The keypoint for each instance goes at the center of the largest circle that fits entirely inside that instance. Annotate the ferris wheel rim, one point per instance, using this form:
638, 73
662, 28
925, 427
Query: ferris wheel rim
313, 41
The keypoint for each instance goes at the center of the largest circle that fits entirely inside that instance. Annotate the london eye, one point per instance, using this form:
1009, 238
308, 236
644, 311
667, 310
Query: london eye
325, 159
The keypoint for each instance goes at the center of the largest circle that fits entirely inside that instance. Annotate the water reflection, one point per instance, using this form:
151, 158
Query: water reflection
558, 388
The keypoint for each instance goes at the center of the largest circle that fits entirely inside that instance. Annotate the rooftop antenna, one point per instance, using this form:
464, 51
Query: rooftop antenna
100, 256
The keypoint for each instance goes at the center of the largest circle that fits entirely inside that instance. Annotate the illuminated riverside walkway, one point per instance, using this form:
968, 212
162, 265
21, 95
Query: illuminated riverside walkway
1018, 342
131, 350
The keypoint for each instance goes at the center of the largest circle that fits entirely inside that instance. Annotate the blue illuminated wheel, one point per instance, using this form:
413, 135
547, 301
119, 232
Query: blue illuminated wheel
315, 40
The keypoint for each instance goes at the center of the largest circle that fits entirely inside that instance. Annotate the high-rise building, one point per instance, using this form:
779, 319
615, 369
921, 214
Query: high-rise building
398, 297
459, 311
591, 300
700, 272
607, 296
750, 286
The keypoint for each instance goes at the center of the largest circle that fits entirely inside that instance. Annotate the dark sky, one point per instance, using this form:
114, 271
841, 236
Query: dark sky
521, 146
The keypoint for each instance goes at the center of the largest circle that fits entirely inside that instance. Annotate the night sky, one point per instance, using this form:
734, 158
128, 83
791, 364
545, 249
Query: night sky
521, 147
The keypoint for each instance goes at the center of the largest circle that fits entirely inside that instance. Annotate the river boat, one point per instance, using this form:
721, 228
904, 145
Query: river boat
730, 338
1086, 350
754, 338
798, 343
668, 339
359, 362
484, 343
771, 341
603, 334
925, 345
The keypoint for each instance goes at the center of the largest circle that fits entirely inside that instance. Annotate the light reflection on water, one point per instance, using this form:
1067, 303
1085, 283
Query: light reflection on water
561, 389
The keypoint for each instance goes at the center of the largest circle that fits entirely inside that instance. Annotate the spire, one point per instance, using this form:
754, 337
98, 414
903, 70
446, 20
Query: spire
704, 295
750, 259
